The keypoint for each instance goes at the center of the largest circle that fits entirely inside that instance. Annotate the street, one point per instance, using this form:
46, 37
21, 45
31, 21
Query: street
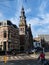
21, 59
20, 62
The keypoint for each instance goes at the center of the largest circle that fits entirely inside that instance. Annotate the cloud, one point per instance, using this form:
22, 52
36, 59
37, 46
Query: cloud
28, 10
15, 21
1, 16
39, 26
42, 7
19, 6
5, 4
41, 21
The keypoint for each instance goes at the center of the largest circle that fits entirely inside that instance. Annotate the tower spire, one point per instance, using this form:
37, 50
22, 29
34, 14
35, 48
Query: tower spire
22, 24
23, 13
22, 16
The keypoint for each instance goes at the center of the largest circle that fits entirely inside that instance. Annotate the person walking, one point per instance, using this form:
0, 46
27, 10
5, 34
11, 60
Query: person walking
42, 57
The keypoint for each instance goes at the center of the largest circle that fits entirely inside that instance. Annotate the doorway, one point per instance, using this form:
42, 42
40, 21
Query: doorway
22, 49
4, 48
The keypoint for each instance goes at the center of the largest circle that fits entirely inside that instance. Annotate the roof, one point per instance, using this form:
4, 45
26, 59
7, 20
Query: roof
7, 22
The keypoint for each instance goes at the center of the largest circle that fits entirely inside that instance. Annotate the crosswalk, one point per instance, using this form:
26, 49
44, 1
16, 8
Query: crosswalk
20, 57
15, 57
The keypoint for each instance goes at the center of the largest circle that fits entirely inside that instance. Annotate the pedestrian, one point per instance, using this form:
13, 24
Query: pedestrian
42, 57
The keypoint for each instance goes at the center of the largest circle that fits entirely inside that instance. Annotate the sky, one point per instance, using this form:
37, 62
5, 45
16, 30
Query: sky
36, 11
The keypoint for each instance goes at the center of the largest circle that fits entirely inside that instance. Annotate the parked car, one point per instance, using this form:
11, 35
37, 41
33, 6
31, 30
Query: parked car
36, 49
30, 51
39, 49
12, 52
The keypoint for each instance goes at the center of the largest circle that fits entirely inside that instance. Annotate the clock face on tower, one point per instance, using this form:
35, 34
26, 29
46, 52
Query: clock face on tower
22, 30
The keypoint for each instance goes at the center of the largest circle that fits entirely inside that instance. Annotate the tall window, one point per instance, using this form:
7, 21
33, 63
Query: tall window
9, 34
4, 34
9, 45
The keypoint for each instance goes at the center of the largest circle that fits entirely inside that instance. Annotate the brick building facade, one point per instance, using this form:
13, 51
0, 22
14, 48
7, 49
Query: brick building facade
9, 36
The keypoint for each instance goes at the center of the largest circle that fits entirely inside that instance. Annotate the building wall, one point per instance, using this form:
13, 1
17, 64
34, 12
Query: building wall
45, 40
46, 37
37, 44
11, 41
14, 37
2, 39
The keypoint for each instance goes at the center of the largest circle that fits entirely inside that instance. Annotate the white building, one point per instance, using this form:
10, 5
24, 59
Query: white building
37, 44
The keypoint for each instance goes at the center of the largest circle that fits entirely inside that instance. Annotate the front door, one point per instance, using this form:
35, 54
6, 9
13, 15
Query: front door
4, 46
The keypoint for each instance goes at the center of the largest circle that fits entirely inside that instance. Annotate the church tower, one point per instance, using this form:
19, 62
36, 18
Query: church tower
22, 24
24, 33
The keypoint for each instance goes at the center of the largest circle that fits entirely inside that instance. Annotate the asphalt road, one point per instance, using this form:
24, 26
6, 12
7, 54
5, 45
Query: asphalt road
28, 60
21, 62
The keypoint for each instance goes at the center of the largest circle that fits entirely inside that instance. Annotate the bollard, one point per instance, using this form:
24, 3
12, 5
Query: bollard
5, 59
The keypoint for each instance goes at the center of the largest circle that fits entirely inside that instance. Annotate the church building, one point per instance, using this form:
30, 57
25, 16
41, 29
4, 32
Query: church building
26, 38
